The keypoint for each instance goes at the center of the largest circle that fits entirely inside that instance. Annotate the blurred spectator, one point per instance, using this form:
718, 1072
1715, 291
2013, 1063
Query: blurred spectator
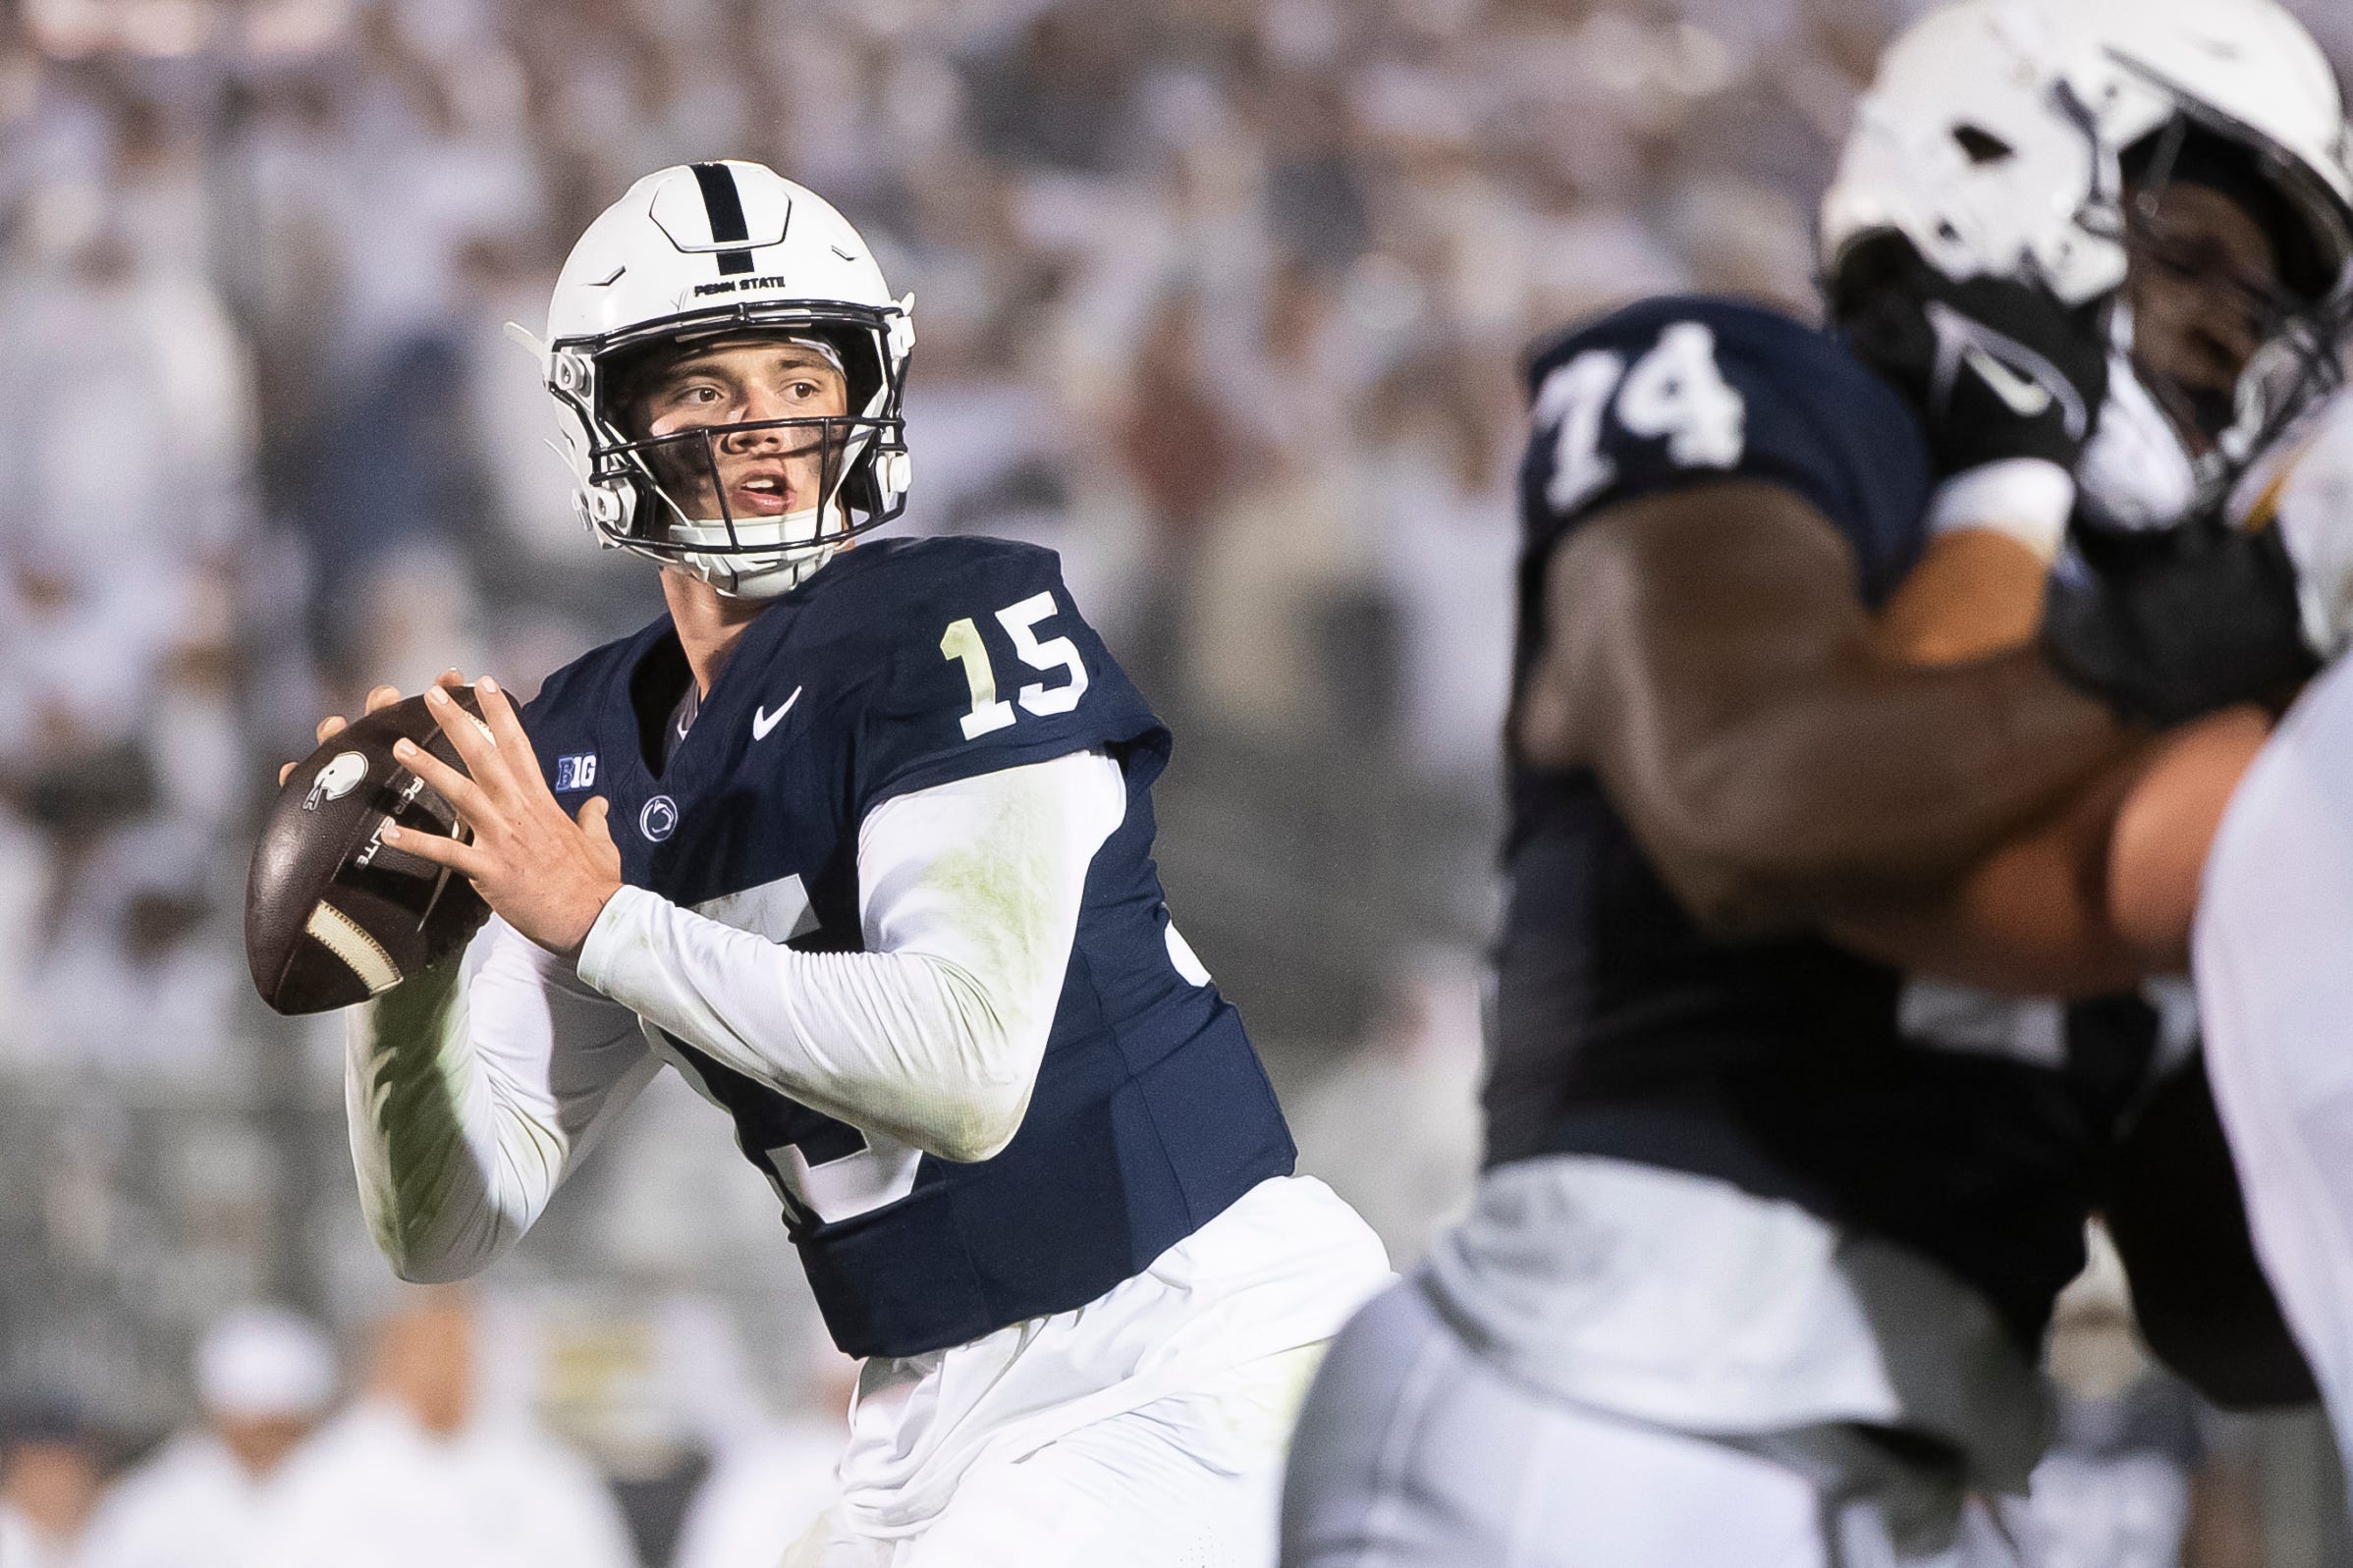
123, 452
124, 449
1395, 1128
416, 614
770, 1485
24, 876
1440, 516
1060, 97
264, 1378
48, 1484
414, 1473
141, 977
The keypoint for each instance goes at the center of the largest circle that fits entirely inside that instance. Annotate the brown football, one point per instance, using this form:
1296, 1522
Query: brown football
334, 914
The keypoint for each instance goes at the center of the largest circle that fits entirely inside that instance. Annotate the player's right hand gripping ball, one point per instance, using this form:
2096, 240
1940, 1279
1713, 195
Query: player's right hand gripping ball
334, 914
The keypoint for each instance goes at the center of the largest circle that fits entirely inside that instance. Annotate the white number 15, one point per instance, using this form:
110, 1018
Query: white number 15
961, 640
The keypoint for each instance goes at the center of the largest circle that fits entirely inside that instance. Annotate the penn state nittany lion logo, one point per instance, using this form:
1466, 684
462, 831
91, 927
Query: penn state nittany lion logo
339, 778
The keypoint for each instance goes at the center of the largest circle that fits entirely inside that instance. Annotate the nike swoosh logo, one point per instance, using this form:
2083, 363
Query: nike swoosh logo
1961, 342
762, 721
2025, 396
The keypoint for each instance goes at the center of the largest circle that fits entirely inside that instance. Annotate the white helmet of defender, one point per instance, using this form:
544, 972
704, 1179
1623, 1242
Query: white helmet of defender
715, 249
1996, 139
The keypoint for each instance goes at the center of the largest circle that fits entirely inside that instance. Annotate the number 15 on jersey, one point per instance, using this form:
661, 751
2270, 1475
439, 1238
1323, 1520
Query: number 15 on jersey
961, 641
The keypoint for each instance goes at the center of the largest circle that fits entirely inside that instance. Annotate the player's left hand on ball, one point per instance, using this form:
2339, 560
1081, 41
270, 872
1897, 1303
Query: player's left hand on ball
545, 874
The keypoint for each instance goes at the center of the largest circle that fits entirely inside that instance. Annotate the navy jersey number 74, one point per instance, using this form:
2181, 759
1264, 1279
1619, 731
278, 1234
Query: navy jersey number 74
1791, 1068
905, 663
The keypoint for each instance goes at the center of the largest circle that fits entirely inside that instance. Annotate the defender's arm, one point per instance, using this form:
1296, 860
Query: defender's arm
2095, 897
2177, 626
1711, 662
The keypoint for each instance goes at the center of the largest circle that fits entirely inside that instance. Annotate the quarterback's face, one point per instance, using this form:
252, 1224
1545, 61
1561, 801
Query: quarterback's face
763, 473
2200, 287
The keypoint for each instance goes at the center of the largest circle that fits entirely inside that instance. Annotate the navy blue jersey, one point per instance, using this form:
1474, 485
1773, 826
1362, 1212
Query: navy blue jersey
905, 663
1780, 1065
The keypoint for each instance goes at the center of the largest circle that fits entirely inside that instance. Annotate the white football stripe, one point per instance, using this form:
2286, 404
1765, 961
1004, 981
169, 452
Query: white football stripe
349, 940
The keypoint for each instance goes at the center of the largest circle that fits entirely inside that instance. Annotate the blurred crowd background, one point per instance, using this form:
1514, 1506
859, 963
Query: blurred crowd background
1222, 298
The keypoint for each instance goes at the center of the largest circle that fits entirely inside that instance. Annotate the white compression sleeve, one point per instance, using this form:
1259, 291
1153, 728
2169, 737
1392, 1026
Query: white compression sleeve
471, 1091
969, 895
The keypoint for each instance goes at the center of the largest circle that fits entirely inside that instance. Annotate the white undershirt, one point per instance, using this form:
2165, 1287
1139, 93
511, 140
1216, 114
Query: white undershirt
475, 1089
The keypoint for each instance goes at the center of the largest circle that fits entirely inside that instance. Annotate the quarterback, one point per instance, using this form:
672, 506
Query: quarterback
1769, 1238
857, 839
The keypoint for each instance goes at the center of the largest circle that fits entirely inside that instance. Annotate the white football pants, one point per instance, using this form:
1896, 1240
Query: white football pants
2274, 973
1412, 1452
1191, 1481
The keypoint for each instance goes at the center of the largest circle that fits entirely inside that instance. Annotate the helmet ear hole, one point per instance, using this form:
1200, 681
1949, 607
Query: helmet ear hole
1981, 146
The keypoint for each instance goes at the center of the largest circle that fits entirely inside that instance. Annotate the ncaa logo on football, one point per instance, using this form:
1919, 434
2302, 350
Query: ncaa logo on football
660, 818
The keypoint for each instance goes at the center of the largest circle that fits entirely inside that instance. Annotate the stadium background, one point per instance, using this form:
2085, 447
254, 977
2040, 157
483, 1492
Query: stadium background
1222, 298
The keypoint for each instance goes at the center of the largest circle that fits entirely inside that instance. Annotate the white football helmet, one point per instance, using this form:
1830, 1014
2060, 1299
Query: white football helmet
723, 249
1996, 139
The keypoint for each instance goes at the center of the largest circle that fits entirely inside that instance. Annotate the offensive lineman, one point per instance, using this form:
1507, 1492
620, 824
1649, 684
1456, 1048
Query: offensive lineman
1757, 1275
857, 839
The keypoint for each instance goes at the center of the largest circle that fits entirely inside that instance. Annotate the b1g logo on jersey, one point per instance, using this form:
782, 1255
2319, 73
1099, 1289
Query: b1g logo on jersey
577, 771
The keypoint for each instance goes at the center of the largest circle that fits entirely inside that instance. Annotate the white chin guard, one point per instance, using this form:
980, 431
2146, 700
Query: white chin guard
803, 546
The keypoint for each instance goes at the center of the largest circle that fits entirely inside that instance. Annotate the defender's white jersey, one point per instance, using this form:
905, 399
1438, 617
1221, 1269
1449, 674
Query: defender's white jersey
2275, 972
